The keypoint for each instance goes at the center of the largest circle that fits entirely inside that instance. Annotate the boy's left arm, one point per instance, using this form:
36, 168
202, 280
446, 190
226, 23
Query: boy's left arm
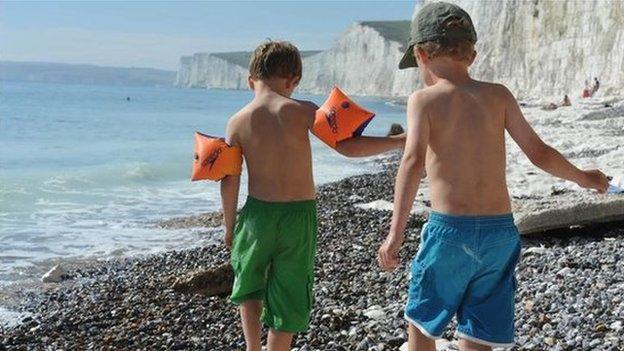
363, 146
407, 181
230, 186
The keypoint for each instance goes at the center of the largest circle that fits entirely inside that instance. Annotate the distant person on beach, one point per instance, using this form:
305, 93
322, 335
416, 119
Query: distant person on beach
596, 86
456, 131
586, 90
553, 106
590, 91
273, 242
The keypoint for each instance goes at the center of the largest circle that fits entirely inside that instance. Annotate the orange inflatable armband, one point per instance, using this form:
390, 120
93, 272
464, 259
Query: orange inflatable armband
214, 159
340, 118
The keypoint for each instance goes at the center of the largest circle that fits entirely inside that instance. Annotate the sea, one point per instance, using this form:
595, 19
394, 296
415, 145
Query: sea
87, 171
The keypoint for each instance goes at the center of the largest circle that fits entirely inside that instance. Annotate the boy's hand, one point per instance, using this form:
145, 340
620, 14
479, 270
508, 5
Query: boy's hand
227, 239
595, 179
400, 139
388, 254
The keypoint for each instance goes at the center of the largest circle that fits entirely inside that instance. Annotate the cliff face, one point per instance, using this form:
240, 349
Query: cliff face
203, 70
362, 61
544, 48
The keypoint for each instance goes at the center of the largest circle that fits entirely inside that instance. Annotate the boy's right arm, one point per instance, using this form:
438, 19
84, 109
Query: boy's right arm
544, 156
407, 180
229, 193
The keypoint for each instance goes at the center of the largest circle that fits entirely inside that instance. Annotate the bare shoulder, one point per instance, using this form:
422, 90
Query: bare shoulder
418, 98
497, 91
240, 115
235, 122
423, 100
307, 105
301, 109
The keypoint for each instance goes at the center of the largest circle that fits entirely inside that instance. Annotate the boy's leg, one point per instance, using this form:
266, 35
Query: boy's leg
485, 318
417, 341
289, 295
279, 340
252, 246
467, 345
250, 311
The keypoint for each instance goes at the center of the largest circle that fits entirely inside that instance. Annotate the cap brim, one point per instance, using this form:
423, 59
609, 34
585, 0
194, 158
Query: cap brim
408, 59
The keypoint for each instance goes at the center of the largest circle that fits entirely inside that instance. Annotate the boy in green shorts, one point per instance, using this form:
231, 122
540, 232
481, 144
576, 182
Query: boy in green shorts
274, 241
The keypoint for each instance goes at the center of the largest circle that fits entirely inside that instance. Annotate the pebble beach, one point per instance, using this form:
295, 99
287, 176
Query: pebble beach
570, 294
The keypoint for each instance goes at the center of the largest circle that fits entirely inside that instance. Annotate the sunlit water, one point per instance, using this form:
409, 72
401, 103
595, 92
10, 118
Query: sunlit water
85, 173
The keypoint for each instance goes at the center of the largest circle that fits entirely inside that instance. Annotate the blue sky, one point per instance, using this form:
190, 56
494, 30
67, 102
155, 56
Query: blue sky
156, 33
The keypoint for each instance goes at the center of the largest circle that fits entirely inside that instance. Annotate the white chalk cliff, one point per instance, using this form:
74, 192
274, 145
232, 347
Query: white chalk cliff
547, 48
363, 62
204, 70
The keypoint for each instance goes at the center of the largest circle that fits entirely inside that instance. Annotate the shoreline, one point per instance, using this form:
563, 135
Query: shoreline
130, 302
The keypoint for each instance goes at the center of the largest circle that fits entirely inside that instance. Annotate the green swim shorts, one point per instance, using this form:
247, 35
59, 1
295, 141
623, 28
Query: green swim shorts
273, 259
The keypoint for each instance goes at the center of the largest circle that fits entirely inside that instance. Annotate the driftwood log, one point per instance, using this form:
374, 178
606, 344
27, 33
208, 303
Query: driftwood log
210, 282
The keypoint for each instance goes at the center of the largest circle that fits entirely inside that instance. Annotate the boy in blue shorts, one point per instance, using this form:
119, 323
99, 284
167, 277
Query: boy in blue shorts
470, 245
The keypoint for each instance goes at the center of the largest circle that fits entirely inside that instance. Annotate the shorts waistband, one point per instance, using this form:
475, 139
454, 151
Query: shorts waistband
501, 220
300, 205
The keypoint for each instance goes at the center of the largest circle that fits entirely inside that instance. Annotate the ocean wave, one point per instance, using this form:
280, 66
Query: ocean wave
146, 172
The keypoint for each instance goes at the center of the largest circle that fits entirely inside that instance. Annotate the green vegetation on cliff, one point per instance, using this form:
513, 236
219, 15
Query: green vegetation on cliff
392, 30
242, 58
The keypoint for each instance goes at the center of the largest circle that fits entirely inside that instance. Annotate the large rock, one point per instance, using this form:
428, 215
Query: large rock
213, 281
567, 210
395, 129
54, 275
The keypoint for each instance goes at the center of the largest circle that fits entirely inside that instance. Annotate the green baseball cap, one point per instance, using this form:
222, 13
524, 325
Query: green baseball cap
428, 25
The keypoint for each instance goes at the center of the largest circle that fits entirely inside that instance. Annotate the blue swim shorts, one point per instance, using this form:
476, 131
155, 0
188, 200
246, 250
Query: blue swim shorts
465, 267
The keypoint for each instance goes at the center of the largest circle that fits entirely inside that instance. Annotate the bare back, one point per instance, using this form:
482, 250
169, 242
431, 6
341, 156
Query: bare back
273, 132
465, 159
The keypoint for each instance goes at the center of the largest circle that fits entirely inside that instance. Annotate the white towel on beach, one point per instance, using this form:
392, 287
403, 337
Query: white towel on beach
616, 185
